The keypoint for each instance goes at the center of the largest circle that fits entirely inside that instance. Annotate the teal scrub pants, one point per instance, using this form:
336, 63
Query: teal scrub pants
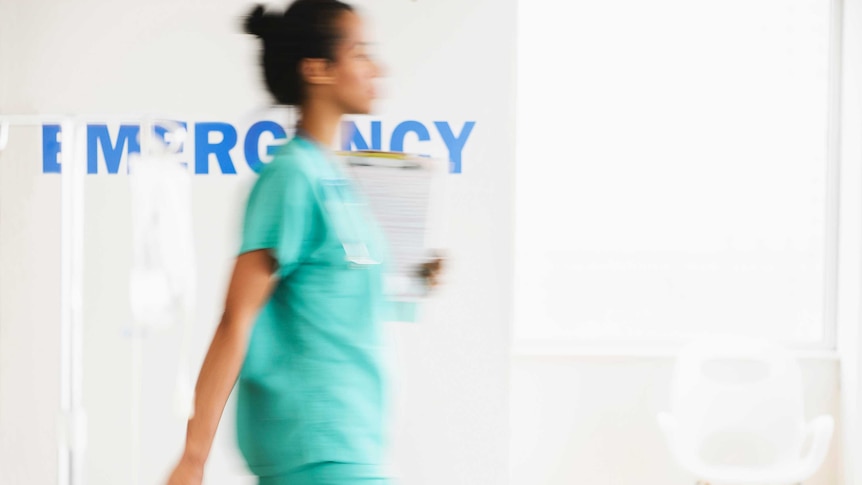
329, 473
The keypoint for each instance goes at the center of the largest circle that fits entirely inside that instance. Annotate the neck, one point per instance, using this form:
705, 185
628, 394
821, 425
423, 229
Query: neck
320, 122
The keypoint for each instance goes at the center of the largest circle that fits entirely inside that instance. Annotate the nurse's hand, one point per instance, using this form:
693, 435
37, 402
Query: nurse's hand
187, 473
431, 271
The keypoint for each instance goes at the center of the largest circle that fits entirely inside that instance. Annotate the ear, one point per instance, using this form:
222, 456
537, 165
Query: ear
316, 71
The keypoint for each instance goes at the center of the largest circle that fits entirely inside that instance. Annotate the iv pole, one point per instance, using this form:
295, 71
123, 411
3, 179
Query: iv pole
72, 424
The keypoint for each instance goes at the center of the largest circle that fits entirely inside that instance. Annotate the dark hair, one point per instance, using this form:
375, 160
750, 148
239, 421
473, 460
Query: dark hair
306, 30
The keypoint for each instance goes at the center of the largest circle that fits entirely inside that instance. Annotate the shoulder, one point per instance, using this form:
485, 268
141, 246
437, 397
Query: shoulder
291, 160
295, 168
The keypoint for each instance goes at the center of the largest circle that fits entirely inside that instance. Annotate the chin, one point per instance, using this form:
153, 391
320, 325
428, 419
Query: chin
361, 109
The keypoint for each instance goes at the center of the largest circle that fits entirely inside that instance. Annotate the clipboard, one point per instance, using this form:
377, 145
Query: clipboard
404, 194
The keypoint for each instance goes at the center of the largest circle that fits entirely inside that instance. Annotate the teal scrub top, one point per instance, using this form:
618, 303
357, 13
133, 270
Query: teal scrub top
312, 387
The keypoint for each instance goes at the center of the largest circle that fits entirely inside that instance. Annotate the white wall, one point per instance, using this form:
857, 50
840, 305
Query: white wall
187, 59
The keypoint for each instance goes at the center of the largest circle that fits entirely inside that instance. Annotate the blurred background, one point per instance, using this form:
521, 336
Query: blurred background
625, 179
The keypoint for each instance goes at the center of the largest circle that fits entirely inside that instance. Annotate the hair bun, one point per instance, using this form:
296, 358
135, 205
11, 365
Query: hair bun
257, 23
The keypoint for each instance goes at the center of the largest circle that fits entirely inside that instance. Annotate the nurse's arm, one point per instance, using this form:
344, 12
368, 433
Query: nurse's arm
250, 286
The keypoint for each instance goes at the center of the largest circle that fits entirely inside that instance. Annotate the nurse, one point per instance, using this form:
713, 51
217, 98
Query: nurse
300, 334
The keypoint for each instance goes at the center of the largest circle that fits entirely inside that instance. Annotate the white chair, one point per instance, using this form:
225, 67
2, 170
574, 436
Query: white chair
737, 415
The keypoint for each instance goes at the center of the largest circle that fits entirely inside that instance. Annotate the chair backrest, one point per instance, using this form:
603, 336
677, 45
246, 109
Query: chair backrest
738, 402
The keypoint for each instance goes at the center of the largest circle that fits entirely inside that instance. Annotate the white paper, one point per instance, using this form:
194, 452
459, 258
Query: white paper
400, 193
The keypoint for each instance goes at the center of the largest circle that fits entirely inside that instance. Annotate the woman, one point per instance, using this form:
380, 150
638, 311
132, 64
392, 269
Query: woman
300, 330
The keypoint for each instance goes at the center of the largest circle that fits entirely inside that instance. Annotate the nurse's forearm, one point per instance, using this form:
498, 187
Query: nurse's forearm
217, 378
250, 285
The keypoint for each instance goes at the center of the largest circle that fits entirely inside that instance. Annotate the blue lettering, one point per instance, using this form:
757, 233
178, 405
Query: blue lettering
252, 142
50, 148
397, 142
97, 135
220, 146
453, 143
204, 148
351, 137
162, 133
